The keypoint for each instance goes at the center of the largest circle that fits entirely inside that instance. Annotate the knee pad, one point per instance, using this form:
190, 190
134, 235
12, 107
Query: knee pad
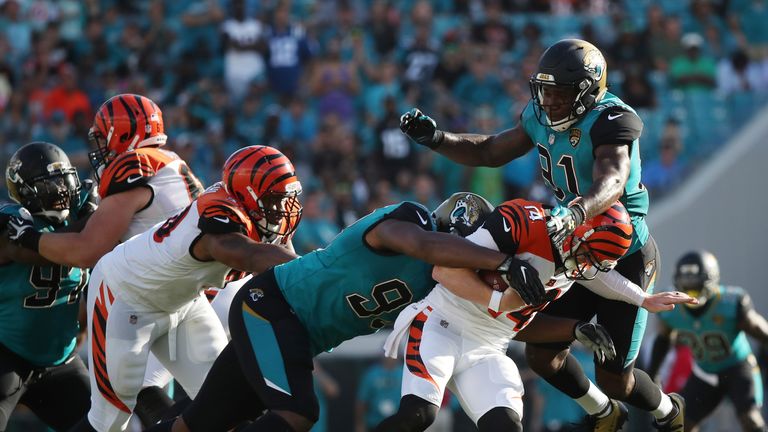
500, 418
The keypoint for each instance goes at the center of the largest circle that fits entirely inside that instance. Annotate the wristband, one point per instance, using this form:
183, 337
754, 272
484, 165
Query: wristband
31, 240
578, 207
437, 139
495, 303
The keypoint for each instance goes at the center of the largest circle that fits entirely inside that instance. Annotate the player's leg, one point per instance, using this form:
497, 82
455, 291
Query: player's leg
626, 325
744, 386
199, 339
14, 372
274, 350
703, 395
554, 363
430, 358
60, 396
153, 400
120, 337
489, 388
223, 300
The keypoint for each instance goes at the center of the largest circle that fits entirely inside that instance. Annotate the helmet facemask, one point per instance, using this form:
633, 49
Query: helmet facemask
580, 260
101, 155
277, 214
584, 95
691, 281
50, 196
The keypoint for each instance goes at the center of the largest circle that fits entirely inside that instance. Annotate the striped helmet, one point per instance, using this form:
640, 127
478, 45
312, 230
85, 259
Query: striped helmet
597, 244
123, 123
264, 182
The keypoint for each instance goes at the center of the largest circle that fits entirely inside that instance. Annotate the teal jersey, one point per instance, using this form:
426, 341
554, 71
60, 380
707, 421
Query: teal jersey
714, 336
39, 306
347, 289
567, 157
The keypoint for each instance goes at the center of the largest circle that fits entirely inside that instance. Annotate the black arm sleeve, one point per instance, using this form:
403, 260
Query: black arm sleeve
411, 212
616, 126
658, 352
506, 228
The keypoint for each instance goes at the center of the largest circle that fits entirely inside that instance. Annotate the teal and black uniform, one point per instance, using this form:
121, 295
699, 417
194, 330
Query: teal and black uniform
284, 317
39, 308
721, 350
567, 161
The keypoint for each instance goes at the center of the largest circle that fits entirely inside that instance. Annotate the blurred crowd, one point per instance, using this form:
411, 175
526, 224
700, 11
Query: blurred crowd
326, 81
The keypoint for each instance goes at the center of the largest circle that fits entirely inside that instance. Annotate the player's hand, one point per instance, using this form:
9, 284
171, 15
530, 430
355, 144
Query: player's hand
21, 231
524, 279
596, 338
91, 201
563, 221
665, 301
421, 128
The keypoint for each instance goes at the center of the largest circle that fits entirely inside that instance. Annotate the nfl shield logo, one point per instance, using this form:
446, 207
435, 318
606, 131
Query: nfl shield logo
574, 137
132, 319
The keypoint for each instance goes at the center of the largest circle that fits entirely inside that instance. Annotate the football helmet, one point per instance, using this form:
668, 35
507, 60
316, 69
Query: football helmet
123, 123
40, 177
265, 184
462, 213
574, 69
697, 274
597, 244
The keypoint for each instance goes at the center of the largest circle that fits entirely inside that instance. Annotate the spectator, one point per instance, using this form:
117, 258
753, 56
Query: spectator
667, 45
335, 83
378, 394
243, 61
493, 31
318, 227
693, 71
394, 152
738, 74
288, 52
67, 96
661, 174
636, 89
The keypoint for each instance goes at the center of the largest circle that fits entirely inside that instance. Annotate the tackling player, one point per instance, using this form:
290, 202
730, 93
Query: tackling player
458, 336
588, 145
354, 286
40, 301
715, 329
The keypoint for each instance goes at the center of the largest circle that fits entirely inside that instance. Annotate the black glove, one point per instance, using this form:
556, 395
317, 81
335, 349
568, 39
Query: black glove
596, 338
21, 231
563, 221
421, 128
524, 279
91, 200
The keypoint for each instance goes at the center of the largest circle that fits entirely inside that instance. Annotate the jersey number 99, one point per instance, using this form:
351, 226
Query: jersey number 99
385, 297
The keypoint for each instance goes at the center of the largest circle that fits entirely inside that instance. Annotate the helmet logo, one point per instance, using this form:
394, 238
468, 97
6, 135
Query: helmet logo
594, 63
466, 211
575, 137
55, 166
13, 171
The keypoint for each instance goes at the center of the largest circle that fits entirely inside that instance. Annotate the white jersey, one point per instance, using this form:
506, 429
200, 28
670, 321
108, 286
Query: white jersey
172, 182
157, 270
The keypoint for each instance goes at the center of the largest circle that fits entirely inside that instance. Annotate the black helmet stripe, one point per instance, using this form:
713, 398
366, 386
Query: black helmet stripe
269, 171
131, 116
143, 113
279, 179
262, 161
236, 165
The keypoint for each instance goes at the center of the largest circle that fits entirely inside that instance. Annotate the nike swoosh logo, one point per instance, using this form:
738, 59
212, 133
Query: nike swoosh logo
220, 219
133, 179
507, 228
421, 218
522, 272
612, 117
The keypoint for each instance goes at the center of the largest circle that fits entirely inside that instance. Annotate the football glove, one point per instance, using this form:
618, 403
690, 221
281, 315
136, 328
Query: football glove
596, 338
21, 231
421, 128
563, 221
91, 200
524, 279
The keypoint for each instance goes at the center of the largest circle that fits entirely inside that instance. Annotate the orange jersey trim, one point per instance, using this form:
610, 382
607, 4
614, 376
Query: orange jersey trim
132, 169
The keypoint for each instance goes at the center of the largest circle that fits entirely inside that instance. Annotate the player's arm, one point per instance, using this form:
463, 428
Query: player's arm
468, 149
751, 321
10, 252
660, 348
101, 233
612, 136
613, 285
239, 252
436, 248
466, 284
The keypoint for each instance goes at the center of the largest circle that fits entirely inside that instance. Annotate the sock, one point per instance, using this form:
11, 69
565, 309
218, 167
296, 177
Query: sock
151, 403
646, 395
595, 402
570, 379
664, 409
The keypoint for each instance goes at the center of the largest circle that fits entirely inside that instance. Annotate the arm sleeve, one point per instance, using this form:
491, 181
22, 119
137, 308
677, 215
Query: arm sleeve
504, 226
412, 212
616, 126
612, 285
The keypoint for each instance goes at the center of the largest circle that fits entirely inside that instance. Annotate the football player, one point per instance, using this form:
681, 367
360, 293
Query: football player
147, 294
355, 286
140, 184
588, 145
40, 301
460, 344
715, 329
